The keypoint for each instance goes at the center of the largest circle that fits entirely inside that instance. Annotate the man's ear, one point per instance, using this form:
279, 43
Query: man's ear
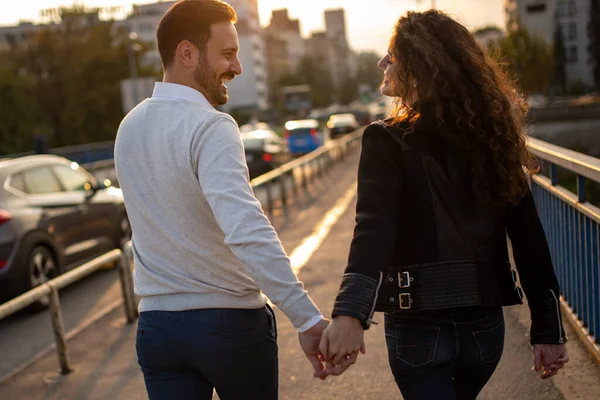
186, 53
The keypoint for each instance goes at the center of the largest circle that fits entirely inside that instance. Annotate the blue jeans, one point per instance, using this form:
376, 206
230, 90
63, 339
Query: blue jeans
435, 357
188, 354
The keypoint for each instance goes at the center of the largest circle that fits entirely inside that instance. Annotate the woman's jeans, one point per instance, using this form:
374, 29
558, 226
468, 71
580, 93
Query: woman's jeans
186, 355
435, 357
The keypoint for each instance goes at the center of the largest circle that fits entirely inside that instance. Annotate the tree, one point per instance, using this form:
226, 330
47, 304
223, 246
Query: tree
66, 82
368, 71
560, 60
594, 35
529, 58
18, 115
312, 71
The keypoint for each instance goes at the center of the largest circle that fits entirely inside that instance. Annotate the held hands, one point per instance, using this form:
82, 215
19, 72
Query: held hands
309, 342
549, 358
340, 344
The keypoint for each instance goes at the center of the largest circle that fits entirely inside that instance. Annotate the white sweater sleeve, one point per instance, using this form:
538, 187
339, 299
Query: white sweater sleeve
223, 175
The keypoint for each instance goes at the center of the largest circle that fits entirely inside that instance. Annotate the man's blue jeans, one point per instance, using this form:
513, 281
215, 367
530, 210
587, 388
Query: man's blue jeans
186, 354
435, 357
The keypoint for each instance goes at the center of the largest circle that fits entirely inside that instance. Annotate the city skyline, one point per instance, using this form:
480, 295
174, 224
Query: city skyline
369, 23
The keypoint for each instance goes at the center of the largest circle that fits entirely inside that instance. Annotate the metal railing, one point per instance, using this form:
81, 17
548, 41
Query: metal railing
572, 227
292, 176
50, 289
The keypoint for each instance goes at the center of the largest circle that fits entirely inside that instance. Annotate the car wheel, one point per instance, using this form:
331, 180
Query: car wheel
124, 232
41, 268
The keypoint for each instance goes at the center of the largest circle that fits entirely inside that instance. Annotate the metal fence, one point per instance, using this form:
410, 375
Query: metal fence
50, 290
295, 175
572, 227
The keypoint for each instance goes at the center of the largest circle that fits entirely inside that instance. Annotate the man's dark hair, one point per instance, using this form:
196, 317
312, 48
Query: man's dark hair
190, 20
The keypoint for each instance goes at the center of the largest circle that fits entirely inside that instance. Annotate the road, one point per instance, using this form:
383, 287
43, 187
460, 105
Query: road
106, 367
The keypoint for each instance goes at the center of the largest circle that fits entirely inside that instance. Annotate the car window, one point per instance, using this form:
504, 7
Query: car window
72, 179
300, 131
16, 182
41, 180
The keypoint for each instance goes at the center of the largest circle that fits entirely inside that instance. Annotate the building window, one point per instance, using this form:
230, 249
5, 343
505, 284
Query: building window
561, 8
572, 56
572, 31
536, 8
572, 8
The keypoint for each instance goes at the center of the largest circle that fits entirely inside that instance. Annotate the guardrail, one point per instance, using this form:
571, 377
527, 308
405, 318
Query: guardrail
572, 228
50, 289
308, 167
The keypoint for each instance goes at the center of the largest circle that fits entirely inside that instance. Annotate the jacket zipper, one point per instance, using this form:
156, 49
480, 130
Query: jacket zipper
375, 300
560, 336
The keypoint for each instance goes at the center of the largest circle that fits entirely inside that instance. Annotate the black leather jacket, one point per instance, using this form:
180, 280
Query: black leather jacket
424, 241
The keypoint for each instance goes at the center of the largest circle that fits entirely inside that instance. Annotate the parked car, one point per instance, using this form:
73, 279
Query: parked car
303, 136
341, 124
54, 215
249, 127
264, 150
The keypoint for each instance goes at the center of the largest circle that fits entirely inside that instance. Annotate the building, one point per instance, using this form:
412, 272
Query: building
143, 21
540, 18
249, 92
74, 18
343, 61
285, 49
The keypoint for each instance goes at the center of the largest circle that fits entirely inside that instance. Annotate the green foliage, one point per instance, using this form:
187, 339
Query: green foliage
368, 71
560, 60
64, 83
313, 72
529, 59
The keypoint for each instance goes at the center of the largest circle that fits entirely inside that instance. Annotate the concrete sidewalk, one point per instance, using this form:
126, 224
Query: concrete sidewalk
106, 365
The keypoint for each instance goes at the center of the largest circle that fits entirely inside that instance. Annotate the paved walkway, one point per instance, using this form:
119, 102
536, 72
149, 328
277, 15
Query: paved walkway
106, 367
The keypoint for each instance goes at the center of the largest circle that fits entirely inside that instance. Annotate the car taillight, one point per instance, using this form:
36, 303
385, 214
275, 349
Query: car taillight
2, 264
4, 216
267, 157
314, 133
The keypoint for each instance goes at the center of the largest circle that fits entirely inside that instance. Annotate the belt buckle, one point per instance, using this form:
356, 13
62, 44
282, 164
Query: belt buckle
404, 279
405, 302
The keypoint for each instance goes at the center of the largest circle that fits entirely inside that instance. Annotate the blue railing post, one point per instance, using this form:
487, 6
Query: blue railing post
580, 188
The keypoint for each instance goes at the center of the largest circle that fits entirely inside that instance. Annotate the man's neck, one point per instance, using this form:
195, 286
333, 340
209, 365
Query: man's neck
171, 78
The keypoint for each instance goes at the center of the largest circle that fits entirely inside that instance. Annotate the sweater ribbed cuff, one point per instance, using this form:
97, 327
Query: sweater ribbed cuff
303, 314
356, 298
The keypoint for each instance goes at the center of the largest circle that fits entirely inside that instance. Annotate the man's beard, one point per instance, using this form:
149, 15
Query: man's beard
210, 84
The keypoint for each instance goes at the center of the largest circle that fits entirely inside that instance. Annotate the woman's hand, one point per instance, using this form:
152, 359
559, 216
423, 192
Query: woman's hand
549, 358
340, 344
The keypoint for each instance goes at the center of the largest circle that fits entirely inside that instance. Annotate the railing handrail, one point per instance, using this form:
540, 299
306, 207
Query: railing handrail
39, 292
305, 159
50, 289
579, 163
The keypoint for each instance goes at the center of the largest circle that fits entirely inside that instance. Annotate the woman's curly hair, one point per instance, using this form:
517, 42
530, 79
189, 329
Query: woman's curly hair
463, 90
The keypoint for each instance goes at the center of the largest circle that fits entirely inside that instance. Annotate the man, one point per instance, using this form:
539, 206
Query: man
202, 246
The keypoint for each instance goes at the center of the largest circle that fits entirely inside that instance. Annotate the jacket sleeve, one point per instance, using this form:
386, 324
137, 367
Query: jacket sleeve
377, 211
536, 273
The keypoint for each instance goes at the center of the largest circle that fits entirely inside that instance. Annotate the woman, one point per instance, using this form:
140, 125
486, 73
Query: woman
440, 185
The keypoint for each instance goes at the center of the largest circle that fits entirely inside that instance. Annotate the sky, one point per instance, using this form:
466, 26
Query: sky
369, 22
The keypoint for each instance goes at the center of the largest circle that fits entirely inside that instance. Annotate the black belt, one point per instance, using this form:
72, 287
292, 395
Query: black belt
447, 284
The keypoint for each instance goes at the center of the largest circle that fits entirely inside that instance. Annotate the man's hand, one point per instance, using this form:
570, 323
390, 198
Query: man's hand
549, 358
309, 342
340, 344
